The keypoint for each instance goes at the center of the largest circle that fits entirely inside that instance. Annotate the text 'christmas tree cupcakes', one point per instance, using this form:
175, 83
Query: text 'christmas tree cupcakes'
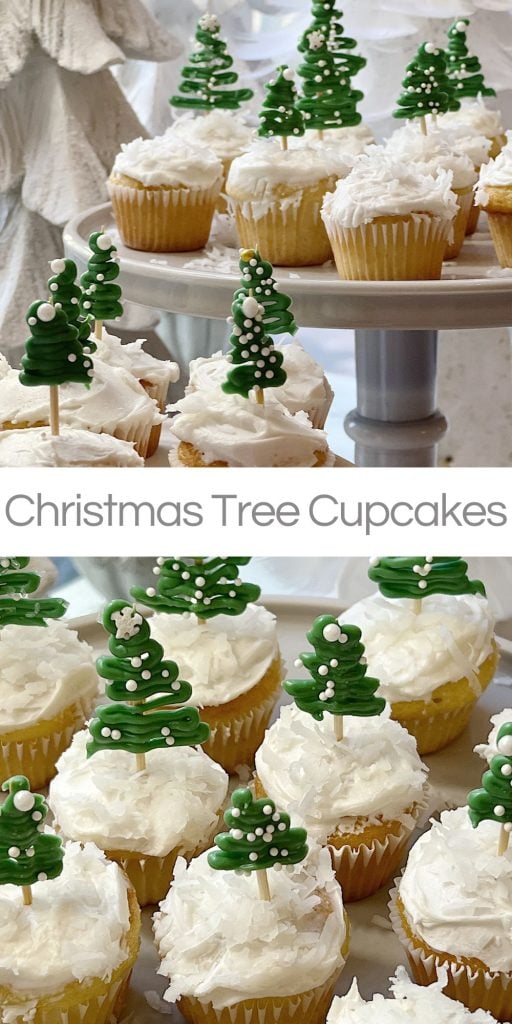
245, 942
135, 782
226, 646
340, 766
69, 921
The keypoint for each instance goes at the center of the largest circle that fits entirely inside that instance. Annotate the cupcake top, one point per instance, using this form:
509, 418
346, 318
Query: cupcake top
223, 131
430, 153
305, 384
265, 167
221, 943
223, 658
75, 930
476, 116
353, 140
135, 360
411, 655
381, 185
490, 749
168, 160
37, 447
457, 890
495, 174
415, 1004
44, 670
459, 137
239, 431
101, 799
325, 784
4, 366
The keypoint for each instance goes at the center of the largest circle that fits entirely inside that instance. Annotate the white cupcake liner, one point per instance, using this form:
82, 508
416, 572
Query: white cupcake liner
289, 231
411, 249
162, 199
37, 756
164, 219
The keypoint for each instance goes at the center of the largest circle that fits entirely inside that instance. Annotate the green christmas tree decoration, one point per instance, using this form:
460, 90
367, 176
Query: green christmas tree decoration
328, 100
327, 20
338, 683
464, 68
65, 292
207, 78
493, 802
279, 116
205, 586
257, 363
27, 853
427, 87
15, 608
101, 297
257, 280
53, 353
420, 577
138, 673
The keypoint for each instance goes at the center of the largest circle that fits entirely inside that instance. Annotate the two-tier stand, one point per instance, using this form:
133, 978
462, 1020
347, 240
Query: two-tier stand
396, 421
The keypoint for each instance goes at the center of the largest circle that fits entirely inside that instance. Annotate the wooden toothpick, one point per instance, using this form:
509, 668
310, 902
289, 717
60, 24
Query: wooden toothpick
141, 762
423, 125
338, 726
416, 605
27, 895
54, 410
263, 886
284, 142
503, 841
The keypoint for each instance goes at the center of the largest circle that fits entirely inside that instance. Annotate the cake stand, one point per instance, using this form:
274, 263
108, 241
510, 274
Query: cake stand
396, 421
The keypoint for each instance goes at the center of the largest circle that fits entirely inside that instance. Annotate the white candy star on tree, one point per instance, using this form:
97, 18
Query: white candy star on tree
128, 622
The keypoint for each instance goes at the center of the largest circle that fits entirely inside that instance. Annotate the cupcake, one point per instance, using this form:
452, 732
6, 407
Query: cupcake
494, 195
38, 447
477, 148
222, 131
388, 221
226, 646
48, 683
154, 375
136, 782
164, 192
340, 766
477, 119
429, 639
290, 927
69, 921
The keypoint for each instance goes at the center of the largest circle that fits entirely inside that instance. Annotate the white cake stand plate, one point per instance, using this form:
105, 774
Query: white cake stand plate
396, 421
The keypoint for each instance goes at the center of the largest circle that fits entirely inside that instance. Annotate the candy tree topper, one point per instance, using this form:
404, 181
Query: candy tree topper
464, 68
64, 291
328, 99
493, 802
327, 20
15, 608
206, 79
101, 297
279, 115
427, 87
259, 838
338, 683
137, 672
257, 363
27, 853
53, 355
205, 586
257, 280
420, 577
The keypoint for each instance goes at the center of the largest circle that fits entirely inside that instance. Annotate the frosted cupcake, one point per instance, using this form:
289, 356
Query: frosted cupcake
477, 148
225, 133
494, 195
338, 764
477, 119
429, 639
136, 782
38, 447
226, 646
69, 921
236, 950
410, 1003
164, 192
48, 683
154, 375
388, 221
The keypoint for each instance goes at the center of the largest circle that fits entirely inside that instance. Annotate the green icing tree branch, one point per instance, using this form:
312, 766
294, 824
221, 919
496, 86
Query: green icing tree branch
206, 79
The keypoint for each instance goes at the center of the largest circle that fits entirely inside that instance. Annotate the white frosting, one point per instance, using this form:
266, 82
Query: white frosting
221, 943
304, 388
75, 930
411, 655
457, 890
135, 360
259, 172
223, 131
415, 1004
168, 160
459, 137
37, 447
380, 186
489, 750
43, 671
223, 658
352, 140
325, 784
4, 366
102, 799
476, 116
238, 431
430, 153
496, 173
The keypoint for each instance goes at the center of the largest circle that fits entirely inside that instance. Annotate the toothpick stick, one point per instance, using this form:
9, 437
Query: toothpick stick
338, 726
423, 125
503, 841
260, 397
54, 409
284, 142
416, 605
321, 134
141, 762
27, 895
98, 329
263, 886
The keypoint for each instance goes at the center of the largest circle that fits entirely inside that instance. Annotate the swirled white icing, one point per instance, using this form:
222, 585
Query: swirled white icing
238, 431
75, 929
457, 890
225, 133
411, 655
496, 173
325, 784
430, 153
353, 141
4, 366
412, 1003
37, 447
489, 750
168, 160
44, 670
223, 658
475, 115
218, 941
135, 360
102, 799
380, 186
458, 137
265, 166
